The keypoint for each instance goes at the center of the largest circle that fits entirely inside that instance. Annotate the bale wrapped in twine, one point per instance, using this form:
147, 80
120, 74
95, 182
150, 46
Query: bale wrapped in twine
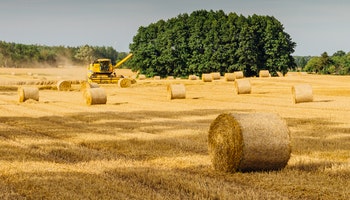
95, 96
142, 77
238, 74
64, 85
192, 77
215, 75
302, 93
242, 86
26, 93
176, 91
230, 77
264, 73
207, 78
124, 82
249, 142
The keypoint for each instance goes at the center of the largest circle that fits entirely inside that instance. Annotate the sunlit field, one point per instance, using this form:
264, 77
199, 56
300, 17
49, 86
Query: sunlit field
140, 145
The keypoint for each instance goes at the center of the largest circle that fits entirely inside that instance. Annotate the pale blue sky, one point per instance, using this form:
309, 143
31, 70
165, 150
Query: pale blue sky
315, 25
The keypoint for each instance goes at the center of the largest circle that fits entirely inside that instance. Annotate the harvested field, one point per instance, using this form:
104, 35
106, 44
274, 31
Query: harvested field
140, 145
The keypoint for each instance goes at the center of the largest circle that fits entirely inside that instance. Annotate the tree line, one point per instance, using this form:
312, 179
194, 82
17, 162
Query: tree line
22, 55
338, 63
212, 41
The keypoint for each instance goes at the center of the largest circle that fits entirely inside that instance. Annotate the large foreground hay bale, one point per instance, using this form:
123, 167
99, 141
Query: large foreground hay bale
264, 73
230, 77
124, 82
242, 86
207, 78
302, 93
176, 91
64, 85
26, 93
95, 96
249, 142
238, 74
215, 75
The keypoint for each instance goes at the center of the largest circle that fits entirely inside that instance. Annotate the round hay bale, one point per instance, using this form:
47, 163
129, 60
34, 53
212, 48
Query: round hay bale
26, 93
302, 93
124, 82
63, 85
230, 77
238, 74
142, 77
215, 75
87, 85
249, 142
264, 73
242, 86
156, 78
207, 78
176, 91
95, 96
192, 77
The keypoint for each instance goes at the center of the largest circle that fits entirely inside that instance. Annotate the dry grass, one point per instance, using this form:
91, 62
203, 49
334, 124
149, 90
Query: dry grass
139, 145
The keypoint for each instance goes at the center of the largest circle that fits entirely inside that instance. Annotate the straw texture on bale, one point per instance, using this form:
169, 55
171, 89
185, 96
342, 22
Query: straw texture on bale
87, 85
264, 73
302, 93
124, 82
156, 78
242, 86
142, 77
230, 77
207, 78
215, 75
249, 142
192, 77
176, 91
64, 85
95, 96
26, 93
238, 74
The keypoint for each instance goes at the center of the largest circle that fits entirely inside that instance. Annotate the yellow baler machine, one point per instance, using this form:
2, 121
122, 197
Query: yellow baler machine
102, 70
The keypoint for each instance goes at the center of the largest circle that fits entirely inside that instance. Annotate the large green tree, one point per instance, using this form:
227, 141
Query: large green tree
208, 41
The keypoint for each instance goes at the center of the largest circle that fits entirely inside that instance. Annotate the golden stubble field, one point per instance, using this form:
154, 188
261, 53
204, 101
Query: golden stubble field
140, 145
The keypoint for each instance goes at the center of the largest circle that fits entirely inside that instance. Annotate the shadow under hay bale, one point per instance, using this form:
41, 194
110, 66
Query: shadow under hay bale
230, 77
249, 142
264, 73
207, 78
176, 91
124, 82
95, 96
302, 93
242, 86
63, 85
27, 93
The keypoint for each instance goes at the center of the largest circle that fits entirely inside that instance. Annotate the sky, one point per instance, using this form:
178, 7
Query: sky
316, 26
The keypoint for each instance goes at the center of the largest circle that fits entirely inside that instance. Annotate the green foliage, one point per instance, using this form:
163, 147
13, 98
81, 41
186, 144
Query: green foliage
208, 41
20, 55
338, 63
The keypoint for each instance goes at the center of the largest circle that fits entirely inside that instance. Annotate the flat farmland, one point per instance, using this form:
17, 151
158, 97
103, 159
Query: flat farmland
140, 145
